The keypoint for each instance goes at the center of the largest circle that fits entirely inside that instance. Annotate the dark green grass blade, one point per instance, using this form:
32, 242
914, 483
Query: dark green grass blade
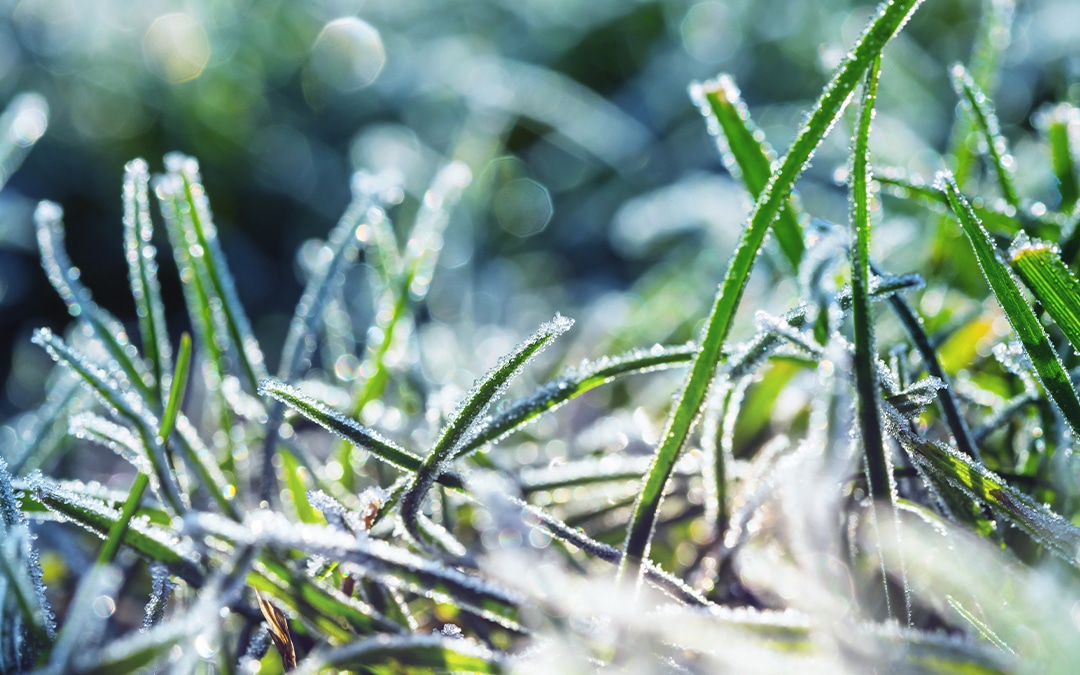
413, 655
469, 416
178, 383
722, 104
987, 122
692, 395
1051, 282
142, 271
1059, 125
1031, 333
1048, 528
348, 429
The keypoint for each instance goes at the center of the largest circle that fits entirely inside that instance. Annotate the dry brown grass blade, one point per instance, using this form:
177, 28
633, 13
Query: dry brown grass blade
279, 632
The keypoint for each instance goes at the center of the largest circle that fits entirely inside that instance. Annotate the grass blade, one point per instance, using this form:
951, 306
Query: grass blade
1051, 282
747, 154
834, 98
1031, 333
1060, 125
987, 121
413, 655
463, 423
22, 124
142, 271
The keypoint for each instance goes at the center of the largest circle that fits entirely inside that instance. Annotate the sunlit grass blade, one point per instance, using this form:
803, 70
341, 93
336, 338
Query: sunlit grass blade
348, 429
986, 119
177, 386
1031, 333
691, 396
467, 418
376, 558
1060, 125
65, 278
571, 384
751, 157
1046, 527
142, 271
1051, 282
122, 403
151, 541
200, 236
412, 655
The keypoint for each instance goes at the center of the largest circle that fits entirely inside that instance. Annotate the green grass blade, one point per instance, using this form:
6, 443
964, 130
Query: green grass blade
1031, 333
574, 383
1051, 282
178, 383
1049, 529
412, 655
887, 23
142, 271
747, 154
986, 119
348, 429
1059, 124
124, 404
469, 416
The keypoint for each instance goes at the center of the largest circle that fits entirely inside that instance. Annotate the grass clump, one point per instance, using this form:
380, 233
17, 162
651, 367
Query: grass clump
914, 512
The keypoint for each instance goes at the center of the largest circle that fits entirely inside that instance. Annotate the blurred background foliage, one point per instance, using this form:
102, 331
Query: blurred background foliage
595, 182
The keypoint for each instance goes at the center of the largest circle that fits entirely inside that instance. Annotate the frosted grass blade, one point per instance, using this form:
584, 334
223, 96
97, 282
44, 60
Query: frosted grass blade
48, 219
1051, 282
691, 396
1061, 126
161, 587
142, 271
610, 468
571, 384
200, 236
1049, 529
747, 154
348, 429
43, 431
124, 404
987, 121
83, 625
468, 418
1031, 333
412, 655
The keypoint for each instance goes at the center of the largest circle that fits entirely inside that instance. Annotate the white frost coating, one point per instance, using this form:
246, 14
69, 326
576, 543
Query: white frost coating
119, 439
1025, 245
600, 469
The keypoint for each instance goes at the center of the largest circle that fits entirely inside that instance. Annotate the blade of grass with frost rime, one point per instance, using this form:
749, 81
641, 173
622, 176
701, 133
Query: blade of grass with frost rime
406, 655
691, 396
987, 122
469, 416
22, 124
1031, 333
1060, 125
178, 383
348, 429
751, 157
1051, 282
124, 404
142, 271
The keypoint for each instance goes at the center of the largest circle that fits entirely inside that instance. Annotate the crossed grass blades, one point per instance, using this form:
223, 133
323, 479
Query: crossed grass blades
917, 519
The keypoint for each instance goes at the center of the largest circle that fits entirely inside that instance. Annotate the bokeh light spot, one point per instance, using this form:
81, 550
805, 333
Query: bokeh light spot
523, 207
348, 54
176, 47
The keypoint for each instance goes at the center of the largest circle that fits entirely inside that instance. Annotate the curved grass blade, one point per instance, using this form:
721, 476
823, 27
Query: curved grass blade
571, 384
142, 271
43, 431
178, 383
834, 98
122, 403
48, 219
987, 121
151, 541
1051, 282
1031, 333
747, 154
348, 429
378, 559
468, 418
1049, 529
412, 655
